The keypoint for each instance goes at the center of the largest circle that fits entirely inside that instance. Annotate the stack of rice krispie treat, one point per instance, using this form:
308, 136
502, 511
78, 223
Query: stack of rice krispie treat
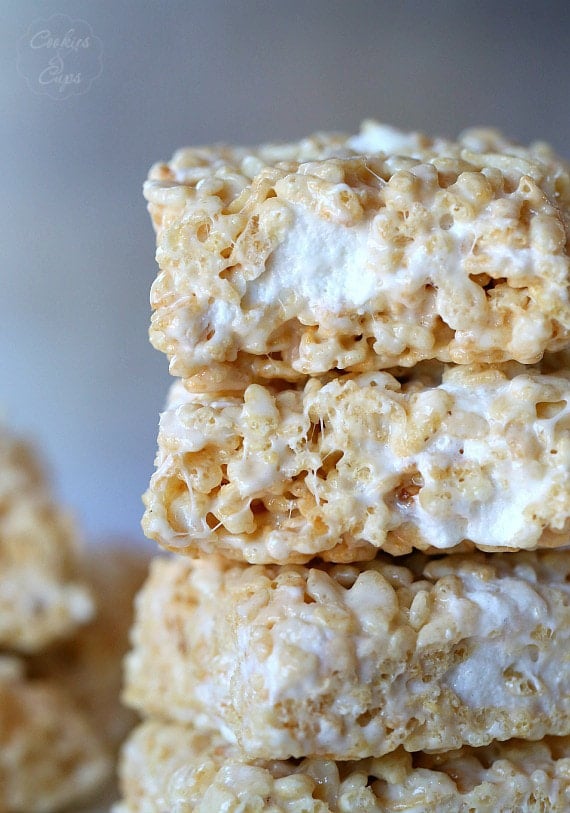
60, 646
365, 461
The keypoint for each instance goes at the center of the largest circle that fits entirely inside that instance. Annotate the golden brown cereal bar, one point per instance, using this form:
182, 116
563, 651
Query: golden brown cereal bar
360, 253
345, 466
351, 661
169, 767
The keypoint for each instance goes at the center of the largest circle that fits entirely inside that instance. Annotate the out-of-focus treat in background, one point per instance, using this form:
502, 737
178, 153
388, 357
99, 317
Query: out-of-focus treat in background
43, 593
51, 755
65, 611
88, 665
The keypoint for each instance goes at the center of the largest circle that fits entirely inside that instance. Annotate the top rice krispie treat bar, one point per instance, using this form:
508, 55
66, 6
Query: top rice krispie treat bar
358, 253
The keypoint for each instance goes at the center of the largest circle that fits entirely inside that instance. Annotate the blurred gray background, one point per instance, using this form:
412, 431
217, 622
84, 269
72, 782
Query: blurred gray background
78, 374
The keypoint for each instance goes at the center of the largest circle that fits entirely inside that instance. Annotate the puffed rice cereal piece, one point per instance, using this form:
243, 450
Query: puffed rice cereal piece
169, 767
50, 754
346, 466
351, 661
359, 253
42, 595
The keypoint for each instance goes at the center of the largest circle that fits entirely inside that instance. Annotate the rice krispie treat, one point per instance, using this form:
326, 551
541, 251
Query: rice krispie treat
88, 666
345, 466
359, 253
352, 661
50, 754
169, 767
42, 594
